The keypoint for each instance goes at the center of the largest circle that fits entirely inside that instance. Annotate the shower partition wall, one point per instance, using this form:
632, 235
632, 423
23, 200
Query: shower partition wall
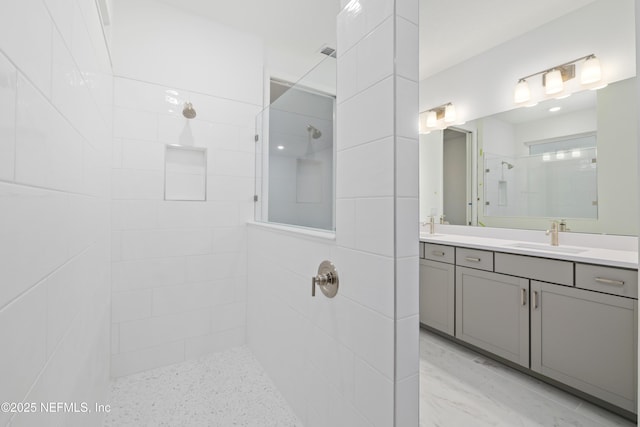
295, 153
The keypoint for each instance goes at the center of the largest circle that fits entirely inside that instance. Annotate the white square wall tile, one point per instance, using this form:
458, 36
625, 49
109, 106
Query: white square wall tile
407, 108
141, 360
360, 329
376, 11
135, 124
32, 244
407, 229
48, 149
31, 51
366, 170
347, 83
146, 155
131, 305
408, 9
130, 184
407, 49
373, 395
346, 222
24, 351
140, 334
375, 55
407, 169
147, 273
367, 116
7, 119
370, 278
351, 26
189, 297
219, 341
374, 225
407, 347
228, 316
408, 402
140, 244
407, 286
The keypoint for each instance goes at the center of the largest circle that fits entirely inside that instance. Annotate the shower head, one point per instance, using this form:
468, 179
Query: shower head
509, 165
314, 132
189, 112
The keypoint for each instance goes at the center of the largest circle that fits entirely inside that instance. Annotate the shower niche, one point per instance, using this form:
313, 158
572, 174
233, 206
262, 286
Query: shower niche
185, 173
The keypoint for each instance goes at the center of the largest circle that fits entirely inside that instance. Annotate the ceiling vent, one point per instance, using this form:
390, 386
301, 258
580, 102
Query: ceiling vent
329, 51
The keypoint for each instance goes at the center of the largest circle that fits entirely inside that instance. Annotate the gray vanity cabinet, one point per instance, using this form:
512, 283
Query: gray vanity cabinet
492, 312
585, 339
437, 303
437, 287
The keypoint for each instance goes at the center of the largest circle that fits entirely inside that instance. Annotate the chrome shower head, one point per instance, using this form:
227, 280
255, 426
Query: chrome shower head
189, 112
314, 132
509, 165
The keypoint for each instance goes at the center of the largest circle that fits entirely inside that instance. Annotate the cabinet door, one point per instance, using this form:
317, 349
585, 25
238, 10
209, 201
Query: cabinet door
492, 313
437, 302
587, 340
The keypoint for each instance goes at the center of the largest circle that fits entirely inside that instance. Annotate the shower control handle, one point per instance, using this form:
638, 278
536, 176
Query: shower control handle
327, 279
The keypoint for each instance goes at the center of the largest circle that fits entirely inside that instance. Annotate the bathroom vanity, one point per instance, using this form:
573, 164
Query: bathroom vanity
564, 314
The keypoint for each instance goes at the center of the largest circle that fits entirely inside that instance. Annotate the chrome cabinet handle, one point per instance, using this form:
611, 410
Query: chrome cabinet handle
437, 253
535, 299
524, 296
609, 281
470, 259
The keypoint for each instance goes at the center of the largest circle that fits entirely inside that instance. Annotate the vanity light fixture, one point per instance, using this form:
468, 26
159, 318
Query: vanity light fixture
438, 118
522, 93
449, 113
432, 119
553, 78
553, 82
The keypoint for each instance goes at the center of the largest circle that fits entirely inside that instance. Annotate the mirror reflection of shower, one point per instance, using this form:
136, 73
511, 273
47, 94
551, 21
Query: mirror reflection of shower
314, 133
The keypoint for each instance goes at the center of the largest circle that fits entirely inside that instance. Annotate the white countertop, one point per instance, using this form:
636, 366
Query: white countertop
610, 257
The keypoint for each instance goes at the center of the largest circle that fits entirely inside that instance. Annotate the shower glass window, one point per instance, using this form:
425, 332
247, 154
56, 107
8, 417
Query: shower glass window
295, 151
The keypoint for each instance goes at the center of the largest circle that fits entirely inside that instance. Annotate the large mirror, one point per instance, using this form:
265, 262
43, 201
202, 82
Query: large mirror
571, 159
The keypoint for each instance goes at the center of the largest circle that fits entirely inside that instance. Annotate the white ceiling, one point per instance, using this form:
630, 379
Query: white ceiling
450, 30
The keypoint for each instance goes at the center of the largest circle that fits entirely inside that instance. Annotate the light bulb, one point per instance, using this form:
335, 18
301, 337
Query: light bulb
522, 93
432, 119
553, 82
449, 113
591, 71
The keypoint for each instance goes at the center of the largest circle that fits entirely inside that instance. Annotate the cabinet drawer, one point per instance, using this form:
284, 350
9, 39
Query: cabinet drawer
611, 280
440, 253
474, 258
543, 269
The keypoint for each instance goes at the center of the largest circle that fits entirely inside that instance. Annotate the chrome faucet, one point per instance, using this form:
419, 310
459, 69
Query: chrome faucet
563, 225
554, 233
432, 224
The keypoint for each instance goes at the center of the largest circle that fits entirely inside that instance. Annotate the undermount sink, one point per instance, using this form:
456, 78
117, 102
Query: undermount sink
543, 247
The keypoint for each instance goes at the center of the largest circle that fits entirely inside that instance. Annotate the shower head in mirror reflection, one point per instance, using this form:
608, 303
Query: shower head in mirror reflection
188, 111
314, 132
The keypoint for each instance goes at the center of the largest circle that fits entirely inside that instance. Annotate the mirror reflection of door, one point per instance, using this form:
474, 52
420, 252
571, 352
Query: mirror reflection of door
454, 177
445, 176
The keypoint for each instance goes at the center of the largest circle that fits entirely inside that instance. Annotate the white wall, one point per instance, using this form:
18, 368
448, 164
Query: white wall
55, 141
353, 360
179, 268
484, 84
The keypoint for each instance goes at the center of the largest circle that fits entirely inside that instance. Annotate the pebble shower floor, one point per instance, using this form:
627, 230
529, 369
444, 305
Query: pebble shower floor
220, 390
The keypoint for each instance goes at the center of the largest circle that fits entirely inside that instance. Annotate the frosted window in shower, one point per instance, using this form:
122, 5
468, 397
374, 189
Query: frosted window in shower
185, 173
